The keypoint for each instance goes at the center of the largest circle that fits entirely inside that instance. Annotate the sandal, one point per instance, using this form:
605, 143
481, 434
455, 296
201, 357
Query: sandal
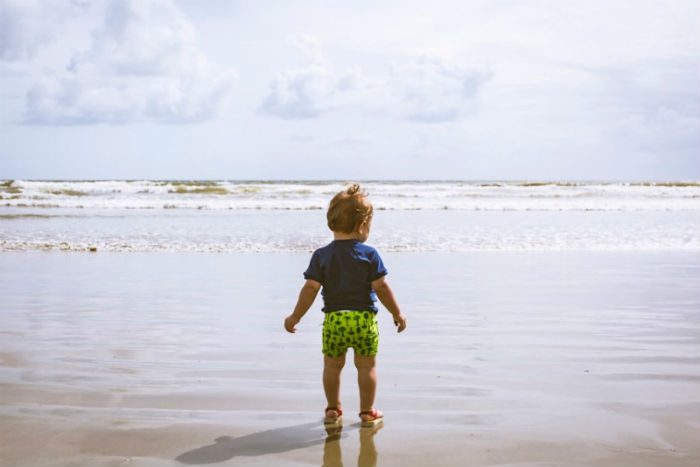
329, 419
371, 417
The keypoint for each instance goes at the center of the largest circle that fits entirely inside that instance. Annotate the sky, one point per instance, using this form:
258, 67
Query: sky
362, 90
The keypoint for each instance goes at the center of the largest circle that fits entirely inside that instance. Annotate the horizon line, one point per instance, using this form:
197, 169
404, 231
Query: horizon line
348, 180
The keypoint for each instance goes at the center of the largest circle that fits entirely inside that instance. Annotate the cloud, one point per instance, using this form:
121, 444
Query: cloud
143, 64
428, 89
28, 25
302, 93
431, 89
20, 34
305, 92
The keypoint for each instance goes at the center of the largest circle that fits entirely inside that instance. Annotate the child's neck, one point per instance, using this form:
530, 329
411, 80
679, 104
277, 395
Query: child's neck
344, 236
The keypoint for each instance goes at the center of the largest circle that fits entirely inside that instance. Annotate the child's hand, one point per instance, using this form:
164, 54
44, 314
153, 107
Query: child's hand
400, 322
290, 323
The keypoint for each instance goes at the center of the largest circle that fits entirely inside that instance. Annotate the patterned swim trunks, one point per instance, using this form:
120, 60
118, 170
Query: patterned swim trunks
356, 329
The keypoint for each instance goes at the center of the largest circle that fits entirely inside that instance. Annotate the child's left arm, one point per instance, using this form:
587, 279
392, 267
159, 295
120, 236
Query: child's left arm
307, 295
386, 296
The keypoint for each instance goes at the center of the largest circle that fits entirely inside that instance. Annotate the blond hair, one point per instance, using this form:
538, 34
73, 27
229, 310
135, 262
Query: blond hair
348, 209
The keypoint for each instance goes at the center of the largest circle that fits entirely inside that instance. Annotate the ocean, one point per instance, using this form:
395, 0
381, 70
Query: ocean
548, 324
289, 216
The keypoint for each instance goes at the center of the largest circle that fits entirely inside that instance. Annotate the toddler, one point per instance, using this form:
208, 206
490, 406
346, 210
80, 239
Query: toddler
353, 277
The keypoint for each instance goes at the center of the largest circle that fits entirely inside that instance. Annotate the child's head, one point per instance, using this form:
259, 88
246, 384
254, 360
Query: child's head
348, 210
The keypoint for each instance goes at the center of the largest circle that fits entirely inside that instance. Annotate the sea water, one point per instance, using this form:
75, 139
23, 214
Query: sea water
561, 312
274, 216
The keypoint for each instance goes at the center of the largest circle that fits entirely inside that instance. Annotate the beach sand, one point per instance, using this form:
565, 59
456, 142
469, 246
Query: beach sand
532, 358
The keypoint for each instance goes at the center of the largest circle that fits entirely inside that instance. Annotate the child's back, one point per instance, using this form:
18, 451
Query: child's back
346, 268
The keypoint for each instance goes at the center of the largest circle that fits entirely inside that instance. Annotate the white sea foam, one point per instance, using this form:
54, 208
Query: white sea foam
260, 216
471, 196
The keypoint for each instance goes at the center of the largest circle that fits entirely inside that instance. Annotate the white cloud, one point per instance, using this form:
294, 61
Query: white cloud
309, 46
302, 93
432, 89
143, 64
428, 89
305, 92
24, 27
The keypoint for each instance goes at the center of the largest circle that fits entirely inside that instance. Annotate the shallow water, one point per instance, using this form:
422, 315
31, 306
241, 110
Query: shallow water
282, 231
595, 351
273, 216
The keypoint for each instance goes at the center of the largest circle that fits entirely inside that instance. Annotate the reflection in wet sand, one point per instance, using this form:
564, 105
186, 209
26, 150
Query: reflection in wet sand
332, 453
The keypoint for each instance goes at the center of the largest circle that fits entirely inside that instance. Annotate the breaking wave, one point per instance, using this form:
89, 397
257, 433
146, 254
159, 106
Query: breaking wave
303, 195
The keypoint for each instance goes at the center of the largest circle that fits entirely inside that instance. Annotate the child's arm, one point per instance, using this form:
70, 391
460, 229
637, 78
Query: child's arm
386, 296
307, 295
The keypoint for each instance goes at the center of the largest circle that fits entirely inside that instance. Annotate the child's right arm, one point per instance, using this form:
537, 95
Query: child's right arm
307, 295
386, 296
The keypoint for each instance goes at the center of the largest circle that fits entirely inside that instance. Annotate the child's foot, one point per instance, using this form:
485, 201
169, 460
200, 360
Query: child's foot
334, 415
371, 417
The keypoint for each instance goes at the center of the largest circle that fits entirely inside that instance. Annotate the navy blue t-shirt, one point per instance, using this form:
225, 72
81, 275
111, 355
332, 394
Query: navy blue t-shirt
345, 269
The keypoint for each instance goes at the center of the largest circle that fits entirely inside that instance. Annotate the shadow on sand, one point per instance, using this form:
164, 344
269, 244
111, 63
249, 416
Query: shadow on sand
257, 444
282, 440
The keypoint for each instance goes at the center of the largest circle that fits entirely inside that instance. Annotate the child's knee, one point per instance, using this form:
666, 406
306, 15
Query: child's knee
365, 362
334, 362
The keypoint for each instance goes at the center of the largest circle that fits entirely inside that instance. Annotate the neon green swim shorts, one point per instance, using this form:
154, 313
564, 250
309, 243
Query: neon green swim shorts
356, 329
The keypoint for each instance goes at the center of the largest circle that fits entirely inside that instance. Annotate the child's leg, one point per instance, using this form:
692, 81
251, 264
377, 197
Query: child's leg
332, 367
366, 380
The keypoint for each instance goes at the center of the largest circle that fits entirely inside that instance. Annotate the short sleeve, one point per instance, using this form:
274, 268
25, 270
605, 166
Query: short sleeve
376, 267
314, 271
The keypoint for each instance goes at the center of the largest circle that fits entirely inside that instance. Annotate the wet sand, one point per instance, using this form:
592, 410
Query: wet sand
588, 358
